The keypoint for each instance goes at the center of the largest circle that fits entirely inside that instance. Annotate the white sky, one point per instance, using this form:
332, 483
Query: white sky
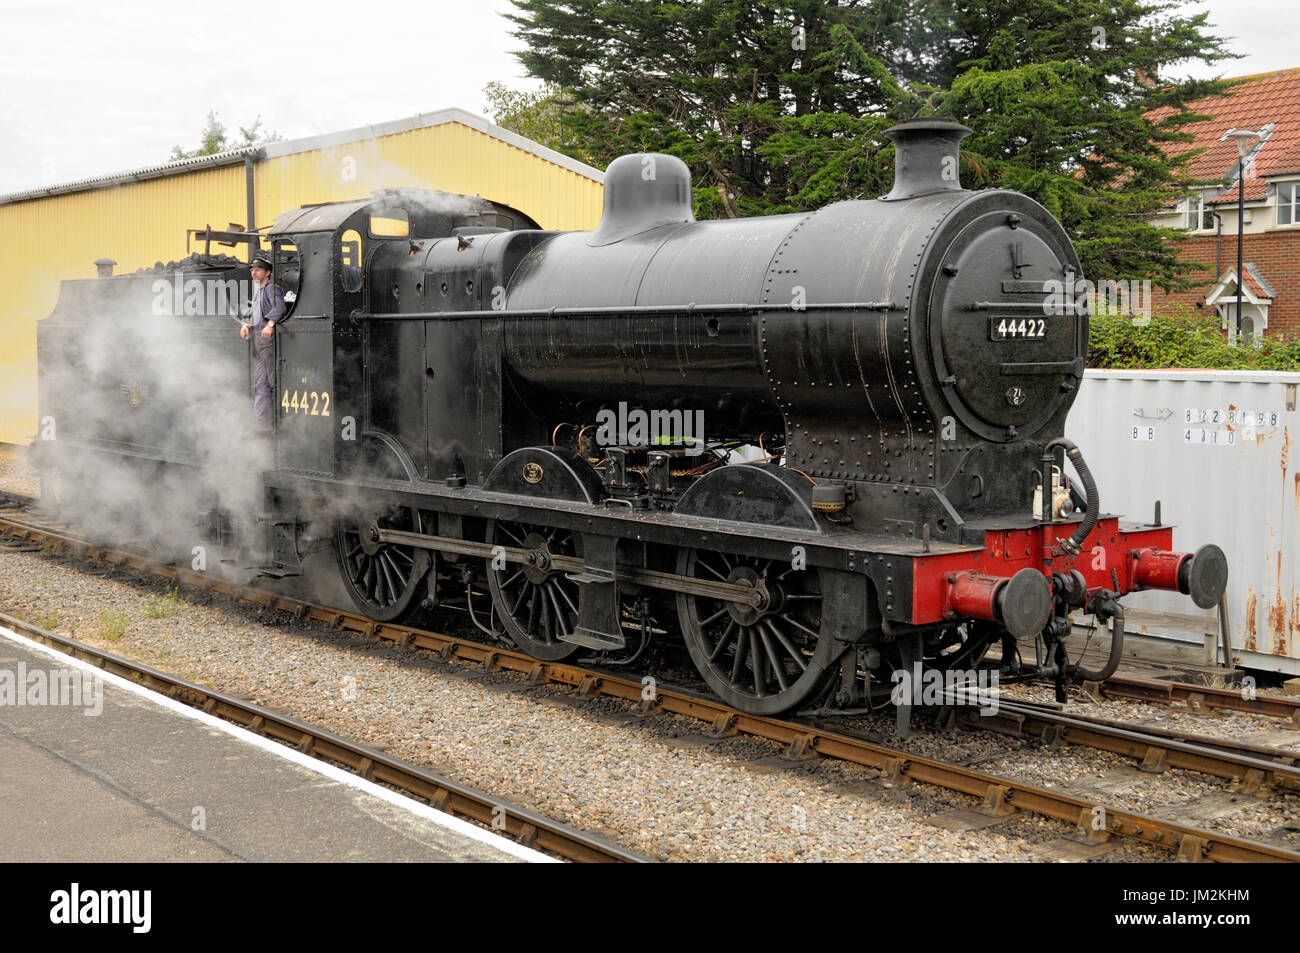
97, 87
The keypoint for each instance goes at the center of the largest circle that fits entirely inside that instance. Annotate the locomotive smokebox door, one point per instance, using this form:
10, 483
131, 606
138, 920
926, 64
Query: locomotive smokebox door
1003, 344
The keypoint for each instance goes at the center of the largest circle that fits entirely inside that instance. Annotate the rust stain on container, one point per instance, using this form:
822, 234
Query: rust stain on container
1286, 450
1250, 619
1295, 616
1277, 624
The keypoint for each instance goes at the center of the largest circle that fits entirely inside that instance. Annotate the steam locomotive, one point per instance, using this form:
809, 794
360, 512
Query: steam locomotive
822, 448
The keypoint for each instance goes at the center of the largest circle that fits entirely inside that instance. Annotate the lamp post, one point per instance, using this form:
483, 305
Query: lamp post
1241, 136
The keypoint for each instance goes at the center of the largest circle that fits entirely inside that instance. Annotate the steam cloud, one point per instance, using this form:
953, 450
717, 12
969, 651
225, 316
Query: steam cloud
165, 398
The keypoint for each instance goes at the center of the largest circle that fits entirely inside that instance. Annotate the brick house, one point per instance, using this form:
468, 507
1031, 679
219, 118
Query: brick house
1267, 102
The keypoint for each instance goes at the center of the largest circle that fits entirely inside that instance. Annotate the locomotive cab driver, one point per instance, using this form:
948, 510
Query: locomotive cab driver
268, 310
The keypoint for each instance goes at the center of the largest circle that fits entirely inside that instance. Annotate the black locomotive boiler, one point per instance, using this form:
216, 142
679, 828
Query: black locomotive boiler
819, 447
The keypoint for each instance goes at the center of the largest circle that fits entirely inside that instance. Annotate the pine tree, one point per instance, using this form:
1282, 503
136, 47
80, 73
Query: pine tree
780, 106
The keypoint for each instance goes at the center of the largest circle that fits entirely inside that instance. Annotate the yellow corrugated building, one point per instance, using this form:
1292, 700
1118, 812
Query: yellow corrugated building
138, 218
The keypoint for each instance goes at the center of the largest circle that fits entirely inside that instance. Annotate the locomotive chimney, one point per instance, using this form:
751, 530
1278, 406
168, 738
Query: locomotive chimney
643, 190
104, 267
926, 157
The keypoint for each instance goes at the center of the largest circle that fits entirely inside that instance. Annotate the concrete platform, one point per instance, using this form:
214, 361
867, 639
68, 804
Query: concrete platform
104, 770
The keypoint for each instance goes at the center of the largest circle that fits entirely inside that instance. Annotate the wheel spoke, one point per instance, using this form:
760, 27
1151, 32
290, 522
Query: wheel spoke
722, 642
401, 575
786, 644
760, 680
511, 581
544, 627
799, 625
701, 563
534, 609
559, 613
721, 612
518, 540
738, 662
777, 668
389, 579
560, 586
523, 591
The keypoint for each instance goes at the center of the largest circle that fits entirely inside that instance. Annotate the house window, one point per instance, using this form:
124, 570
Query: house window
1199, 216
1288, 204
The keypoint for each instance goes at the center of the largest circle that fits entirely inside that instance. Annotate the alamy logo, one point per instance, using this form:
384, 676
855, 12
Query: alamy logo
73, 906
640, 428
211, 296
931, 687
64, 687
1081, 296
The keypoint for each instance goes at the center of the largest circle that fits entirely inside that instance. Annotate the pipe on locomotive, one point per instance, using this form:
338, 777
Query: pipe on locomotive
1093, 505
1116, 651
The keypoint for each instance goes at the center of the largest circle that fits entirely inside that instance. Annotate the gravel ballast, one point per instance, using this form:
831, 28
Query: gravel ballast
16, 475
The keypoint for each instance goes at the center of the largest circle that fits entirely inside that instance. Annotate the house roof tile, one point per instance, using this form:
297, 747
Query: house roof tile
1252, 103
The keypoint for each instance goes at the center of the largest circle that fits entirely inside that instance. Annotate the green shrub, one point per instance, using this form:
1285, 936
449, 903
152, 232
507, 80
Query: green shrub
1178, 337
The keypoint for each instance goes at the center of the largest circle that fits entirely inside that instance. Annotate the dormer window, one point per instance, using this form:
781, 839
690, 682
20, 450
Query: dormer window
1288, 203
1200, 217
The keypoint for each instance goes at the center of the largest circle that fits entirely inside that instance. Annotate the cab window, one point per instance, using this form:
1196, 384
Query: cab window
390, 223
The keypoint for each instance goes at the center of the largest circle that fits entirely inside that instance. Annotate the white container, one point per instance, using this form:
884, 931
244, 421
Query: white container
1216, 448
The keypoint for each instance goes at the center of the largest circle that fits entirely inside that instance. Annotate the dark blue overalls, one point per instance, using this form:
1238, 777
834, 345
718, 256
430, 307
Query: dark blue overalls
268, 305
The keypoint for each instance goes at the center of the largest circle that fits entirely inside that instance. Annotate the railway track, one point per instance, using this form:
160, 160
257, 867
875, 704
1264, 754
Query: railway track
803, 738
1200, 697
1260, 769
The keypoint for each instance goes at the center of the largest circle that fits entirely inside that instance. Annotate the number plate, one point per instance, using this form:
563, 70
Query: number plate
1008, 329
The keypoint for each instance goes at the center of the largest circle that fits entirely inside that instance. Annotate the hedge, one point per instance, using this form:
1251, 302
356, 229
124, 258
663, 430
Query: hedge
1178, 337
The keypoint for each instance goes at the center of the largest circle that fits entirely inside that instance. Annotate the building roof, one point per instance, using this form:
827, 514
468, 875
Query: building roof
1262, 101
1256, 289
310, 143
